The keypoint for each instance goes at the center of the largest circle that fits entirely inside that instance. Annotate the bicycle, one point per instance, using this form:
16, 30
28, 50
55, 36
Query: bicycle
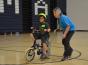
30, 54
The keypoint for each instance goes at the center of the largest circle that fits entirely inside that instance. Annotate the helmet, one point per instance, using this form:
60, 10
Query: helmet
42, 14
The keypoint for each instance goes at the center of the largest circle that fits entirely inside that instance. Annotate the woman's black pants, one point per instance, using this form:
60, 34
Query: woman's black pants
66, 42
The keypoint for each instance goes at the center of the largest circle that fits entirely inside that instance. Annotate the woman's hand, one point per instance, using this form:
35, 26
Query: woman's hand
66, 31
64, 36
57, 30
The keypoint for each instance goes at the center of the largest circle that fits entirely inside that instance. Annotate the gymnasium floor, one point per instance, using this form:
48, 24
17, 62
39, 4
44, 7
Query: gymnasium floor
13, 48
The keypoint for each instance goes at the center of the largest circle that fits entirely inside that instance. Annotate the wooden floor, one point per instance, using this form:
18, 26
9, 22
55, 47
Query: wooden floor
13, 48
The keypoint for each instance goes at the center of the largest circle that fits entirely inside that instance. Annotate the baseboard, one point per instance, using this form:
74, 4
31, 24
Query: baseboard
82, 30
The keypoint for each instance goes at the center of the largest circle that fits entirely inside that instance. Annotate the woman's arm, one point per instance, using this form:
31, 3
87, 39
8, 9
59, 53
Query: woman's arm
66, 31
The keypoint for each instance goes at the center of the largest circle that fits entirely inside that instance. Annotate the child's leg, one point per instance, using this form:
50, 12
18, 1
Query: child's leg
45, 46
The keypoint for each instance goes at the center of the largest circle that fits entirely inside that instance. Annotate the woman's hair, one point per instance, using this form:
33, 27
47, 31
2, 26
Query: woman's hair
57, 9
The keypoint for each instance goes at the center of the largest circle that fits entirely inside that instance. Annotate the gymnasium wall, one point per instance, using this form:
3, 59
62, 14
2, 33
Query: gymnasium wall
11, 16
78, 11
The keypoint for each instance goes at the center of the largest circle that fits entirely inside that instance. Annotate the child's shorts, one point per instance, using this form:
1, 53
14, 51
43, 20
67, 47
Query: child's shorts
45, 38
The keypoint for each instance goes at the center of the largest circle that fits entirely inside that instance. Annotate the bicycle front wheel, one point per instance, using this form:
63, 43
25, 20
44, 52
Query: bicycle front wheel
30, 54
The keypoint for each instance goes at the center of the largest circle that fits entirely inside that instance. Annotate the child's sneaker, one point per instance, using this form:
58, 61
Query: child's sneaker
44, 56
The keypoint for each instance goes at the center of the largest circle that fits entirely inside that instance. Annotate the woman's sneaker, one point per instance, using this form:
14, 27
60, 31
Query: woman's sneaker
69, 56
64, 58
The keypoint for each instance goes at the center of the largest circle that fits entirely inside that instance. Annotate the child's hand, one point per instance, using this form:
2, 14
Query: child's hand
45, 30
32, 27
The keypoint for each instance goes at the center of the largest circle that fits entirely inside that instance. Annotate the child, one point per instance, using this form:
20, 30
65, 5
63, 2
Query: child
44, 30
68, 28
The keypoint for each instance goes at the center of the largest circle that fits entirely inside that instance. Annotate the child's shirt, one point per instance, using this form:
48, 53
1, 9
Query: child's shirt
43, 26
